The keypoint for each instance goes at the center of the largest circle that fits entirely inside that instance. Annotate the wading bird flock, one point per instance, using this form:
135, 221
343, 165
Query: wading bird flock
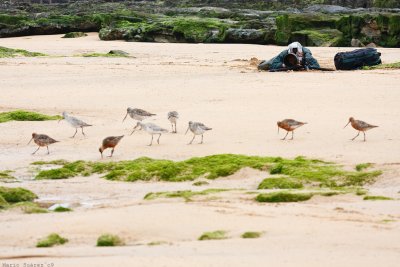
197, 128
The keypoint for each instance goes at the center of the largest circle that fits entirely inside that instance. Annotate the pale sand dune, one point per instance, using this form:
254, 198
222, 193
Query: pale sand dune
217, 85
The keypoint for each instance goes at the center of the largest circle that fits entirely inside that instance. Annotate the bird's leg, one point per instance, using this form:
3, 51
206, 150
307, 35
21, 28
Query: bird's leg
175, 128
192, 139
134, 128
76, 130
292, 135
151, 142
285, 135
36, 150
112, 151
82, 131
172, 126
201, 139
101, 154
158, 140
48, 152
364, 136
355, 136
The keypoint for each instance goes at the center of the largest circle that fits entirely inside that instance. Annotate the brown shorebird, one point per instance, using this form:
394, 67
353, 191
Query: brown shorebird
289, 125
110, 142
74, 122
42, 140
173, 117
197, 128
360, 126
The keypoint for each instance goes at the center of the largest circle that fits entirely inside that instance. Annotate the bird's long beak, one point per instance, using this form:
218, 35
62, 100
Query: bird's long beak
30, 141
346, 125
125, 117
187, 130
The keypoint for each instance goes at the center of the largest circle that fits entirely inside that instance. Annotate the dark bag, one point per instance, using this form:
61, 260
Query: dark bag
357, 58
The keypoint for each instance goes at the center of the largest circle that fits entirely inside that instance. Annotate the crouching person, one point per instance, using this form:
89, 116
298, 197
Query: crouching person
295, 57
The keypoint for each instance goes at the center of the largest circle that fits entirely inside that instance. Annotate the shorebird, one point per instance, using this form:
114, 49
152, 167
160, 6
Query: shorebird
152, 129
74, 122
197, 128
289, 125
42, 140
138, 114
172, 117
360, 126
110, 142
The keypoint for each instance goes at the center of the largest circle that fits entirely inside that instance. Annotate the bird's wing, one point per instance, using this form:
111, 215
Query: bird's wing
142, 112
116, 139
42, 137
290, 122
46, 139
158, 128
111, 140
202, 126
173, 114
80, 122
363, 124
294, 123
150, 125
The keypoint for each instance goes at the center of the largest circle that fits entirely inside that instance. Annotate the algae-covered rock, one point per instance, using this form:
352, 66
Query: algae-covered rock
317, 37
3, 203
329, 9
356, 43
108, 34
51, 240
280, 183
18, 194
381, 29
283, 197
120, 53
109, 240
245, 36
74, 35
289, 23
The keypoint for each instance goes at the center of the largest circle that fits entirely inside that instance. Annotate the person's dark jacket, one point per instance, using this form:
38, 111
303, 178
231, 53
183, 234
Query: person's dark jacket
276, 62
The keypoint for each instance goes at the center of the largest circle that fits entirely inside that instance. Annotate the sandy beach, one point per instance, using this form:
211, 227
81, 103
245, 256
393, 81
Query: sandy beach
219, 85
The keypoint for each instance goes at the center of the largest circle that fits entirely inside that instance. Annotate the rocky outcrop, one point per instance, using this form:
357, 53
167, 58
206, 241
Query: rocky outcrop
156, 21
328, 9
245, 36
